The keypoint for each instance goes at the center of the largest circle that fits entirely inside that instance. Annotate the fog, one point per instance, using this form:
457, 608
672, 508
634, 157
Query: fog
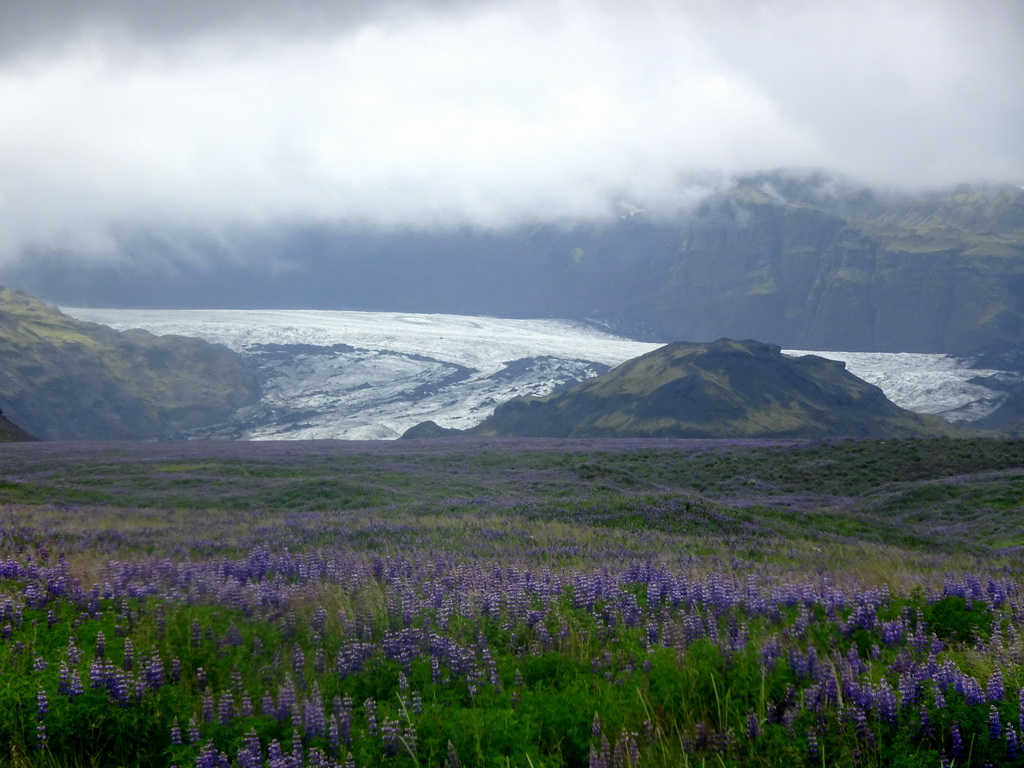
124, 117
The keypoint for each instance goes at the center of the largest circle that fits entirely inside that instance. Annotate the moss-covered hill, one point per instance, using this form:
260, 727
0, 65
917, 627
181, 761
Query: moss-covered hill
720, 389
11, 432
63, 379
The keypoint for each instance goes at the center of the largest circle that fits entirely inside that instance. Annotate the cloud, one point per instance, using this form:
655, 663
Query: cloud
129, 117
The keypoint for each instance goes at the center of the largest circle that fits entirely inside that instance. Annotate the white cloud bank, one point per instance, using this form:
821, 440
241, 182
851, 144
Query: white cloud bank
481, 113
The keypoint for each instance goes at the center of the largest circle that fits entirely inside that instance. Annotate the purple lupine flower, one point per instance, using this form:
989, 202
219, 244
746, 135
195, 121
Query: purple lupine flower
175, 733
193, 730
371, 716
926, 719
753, 727
76, 685
595, 726
285, 700
64, 680
956, 742
101, 645
117, 686
813, 753
74, 654
42, 704
1012, 743
389, 734
994, 690
408, 736
886, 700
208, 710
1020, 711
995, 724
345, 721
225, 708
314, 721
128, 663
276, 757
208, 756
452, 761
333, 734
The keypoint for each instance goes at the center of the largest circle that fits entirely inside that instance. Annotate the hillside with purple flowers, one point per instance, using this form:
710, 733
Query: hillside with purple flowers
465, 602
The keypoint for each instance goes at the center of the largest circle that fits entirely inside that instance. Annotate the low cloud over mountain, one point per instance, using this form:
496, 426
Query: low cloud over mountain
137, 132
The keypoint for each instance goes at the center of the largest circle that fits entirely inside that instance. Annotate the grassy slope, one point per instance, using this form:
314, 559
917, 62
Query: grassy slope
720, 389
66, 379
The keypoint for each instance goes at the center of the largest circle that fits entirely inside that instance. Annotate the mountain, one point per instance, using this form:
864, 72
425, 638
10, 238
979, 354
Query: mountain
64, 379
11, 432
806, 259
1008, 419
724, 388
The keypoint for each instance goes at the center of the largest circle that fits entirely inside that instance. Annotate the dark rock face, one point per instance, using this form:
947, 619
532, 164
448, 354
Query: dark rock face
720, 389
63, 379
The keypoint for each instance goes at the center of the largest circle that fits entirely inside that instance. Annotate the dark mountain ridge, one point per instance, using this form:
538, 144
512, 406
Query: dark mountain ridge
805, 259
720, 389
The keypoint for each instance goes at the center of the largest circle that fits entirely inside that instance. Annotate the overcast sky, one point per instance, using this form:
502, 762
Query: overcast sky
121, 115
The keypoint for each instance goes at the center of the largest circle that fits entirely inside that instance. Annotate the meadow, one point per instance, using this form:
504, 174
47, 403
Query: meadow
602, 603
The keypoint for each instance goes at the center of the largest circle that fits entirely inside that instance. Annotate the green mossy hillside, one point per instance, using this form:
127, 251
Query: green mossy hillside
11, 432
63, 379
720, 389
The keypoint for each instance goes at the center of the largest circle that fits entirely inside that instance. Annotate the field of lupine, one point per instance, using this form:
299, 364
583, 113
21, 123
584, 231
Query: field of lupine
512, 603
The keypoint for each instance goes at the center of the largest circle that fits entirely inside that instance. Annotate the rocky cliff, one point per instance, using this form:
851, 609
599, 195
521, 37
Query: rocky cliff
63, 379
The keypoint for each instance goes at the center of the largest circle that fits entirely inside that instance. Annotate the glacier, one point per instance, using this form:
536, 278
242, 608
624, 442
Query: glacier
372, 375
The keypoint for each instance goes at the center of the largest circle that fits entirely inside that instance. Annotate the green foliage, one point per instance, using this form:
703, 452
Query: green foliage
951, 618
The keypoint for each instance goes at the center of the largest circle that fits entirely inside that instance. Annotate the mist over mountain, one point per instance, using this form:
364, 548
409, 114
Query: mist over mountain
804, 259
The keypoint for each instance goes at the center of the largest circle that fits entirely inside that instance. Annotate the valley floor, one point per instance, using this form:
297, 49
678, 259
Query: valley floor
512, 602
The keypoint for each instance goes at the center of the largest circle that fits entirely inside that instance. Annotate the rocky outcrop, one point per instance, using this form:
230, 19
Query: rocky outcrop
63, 379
